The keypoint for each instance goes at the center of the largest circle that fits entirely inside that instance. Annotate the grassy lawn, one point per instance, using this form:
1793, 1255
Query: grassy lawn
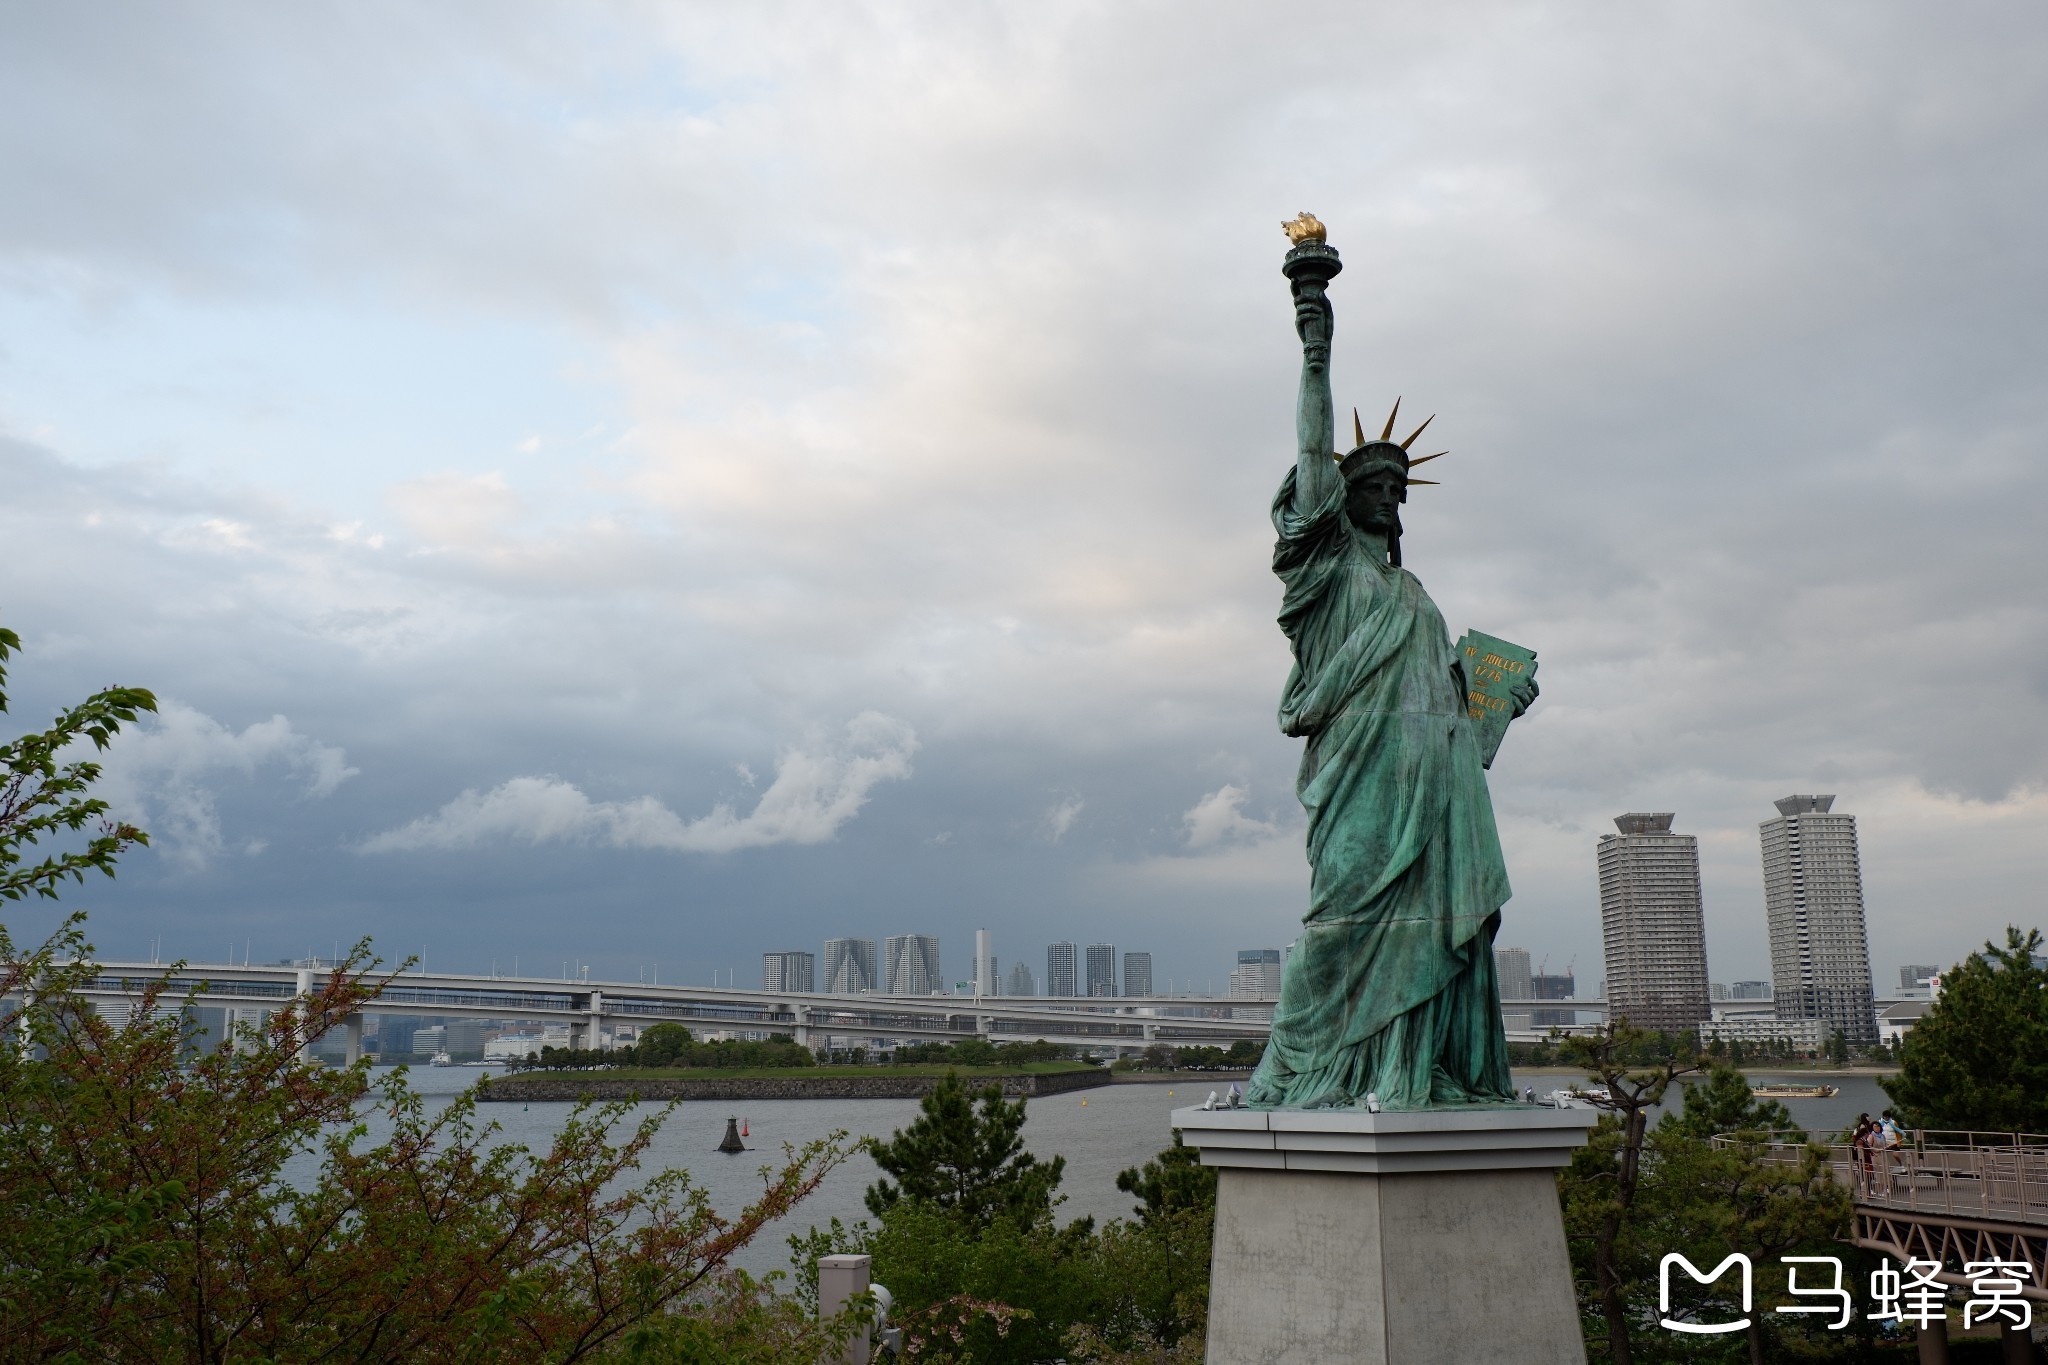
727, 1073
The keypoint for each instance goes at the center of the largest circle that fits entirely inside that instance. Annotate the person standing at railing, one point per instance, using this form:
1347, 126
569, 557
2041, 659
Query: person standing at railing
1890, 1140
1860, 1143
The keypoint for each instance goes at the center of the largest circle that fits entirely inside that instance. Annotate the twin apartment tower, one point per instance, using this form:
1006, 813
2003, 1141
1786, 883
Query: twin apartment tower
1655, 935
909, 965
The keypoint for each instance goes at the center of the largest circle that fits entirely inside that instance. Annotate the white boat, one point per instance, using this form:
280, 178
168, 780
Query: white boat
440, 1059
1591, 1097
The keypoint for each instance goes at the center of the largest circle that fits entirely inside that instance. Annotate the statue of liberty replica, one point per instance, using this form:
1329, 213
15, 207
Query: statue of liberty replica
1380, 1202
1388, 1001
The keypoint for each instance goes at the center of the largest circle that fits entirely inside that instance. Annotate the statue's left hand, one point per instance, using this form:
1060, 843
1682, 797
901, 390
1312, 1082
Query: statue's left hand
1524, 691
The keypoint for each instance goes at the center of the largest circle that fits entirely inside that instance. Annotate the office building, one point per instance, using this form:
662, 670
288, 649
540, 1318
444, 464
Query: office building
791, 971
1062, 961
989, 976
850, 966
1553, 986
395, 1033
1101, 969
1915, 980
910, 965
1799, 1035
465, 1038
1511, 980
1019, 981
1652, 926
1512, 975
1813, 901
1749, 990
1257, 973
1717, 991
1137, 973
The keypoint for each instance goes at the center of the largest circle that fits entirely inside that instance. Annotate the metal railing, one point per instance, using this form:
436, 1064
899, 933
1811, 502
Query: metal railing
1999, 1177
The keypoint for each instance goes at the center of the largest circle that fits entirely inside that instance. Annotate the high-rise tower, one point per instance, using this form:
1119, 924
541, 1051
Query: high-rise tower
1137, 973
1651, 923
1101, 969
792, 971
1061, 969
1813, 900
850, 966
1257, 972
910, 965
1513, 980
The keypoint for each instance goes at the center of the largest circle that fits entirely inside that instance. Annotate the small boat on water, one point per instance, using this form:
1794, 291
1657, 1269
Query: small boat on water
1774, 1090
440, 1059
1575, 1097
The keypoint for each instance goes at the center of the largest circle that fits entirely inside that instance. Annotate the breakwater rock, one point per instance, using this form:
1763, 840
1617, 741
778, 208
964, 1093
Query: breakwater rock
596, 1085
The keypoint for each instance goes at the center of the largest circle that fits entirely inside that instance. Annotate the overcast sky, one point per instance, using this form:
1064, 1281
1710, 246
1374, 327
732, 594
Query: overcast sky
654, 484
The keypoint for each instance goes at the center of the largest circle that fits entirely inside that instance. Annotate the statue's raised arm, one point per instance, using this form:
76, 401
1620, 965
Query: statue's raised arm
1310, 267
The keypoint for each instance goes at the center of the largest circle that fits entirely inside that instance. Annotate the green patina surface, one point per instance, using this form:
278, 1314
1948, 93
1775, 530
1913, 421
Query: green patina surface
1390, 989
1492, 668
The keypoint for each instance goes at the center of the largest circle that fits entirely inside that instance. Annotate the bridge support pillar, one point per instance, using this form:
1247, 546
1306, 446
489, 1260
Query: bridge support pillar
1934, 1343
2018, 1343
304, 992
352, 1029
594, 1030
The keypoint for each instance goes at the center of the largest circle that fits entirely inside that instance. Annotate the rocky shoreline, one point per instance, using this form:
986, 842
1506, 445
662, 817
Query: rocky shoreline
596, 1086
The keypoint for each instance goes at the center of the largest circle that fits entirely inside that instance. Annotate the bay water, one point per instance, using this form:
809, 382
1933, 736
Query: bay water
1099, 1132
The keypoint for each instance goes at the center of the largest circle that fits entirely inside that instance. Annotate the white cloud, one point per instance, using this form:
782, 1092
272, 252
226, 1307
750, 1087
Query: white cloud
1060, 816
1218, 819
164, 775
815, 792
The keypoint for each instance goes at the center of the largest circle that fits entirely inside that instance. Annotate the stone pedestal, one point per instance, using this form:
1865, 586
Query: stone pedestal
1428, 1238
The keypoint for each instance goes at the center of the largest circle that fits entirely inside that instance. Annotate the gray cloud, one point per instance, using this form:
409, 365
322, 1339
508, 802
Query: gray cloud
163, 775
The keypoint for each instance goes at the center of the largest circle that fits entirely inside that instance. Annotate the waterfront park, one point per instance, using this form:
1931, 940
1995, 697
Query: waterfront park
678, 488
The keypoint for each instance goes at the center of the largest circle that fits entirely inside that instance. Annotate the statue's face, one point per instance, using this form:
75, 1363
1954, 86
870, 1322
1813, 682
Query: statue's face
1373, 500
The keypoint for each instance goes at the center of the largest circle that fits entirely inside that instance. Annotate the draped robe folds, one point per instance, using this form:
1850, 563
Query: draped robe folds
1390, 988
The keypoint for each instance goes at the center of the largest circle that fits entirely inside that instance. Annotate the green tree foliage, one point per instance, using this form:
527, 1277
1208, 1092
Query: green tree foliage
1978, 1058
148, 1215
1730, 1172
967, 1242
966, 1162
166, 1203
981, 1052
1600, 1187
1171, 1182
1706, 1180
671, 1045
42, 796
1722, 1102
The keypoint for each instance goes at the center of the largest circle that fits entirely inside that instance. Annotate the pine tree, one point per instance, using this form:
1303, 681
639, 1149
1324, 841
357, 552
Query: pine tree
957, 1159
1978, 1059
1173, 1181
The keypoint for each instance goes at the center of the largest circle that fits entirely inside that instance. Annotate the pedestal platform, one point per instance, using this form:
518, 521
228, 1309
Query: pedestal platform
1427, 1238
